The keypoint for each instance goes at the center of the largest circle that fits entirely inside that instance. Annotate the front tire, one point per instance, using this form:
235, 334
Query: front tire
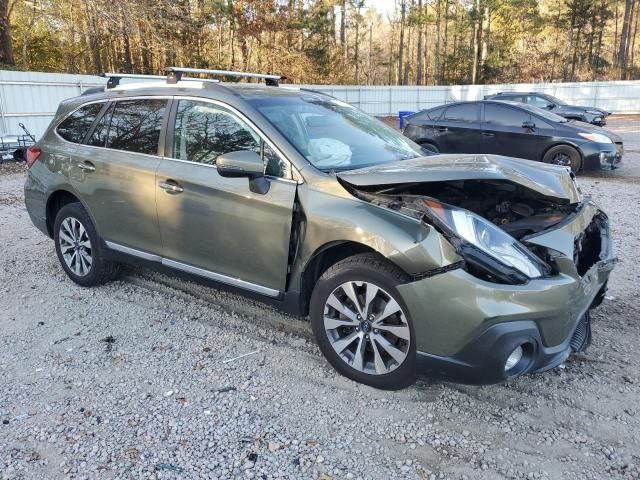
565, 156
361, 323
79, 247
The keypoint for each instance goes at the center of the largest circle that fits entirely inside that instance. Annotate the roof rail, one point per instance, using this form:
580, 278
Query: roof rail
174, 74
114, 78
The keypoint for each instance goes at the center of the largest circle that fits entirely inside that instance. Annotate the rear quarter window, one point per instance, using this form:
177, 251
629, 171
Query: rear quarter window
75, 126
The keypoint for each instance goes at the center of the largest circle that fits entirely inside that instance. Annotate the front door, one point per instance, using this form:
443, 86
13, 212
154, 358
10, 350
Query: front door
504, 134
216, 226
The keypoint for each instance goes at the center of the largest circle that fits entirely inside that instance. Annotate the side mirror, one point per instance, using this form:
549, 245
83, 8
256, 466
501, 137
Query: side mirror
551, 106
529, 125
242, 163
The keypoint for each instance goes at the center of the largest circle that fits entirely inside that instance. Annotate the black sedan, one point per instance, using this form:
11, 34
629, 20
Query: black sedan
593, 115
515, 130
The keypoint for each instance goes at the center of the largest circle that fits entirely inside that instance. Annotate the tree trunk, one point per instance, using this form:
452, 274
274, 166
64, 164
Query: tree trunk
6, 49
419, 52
401, 42
621, 59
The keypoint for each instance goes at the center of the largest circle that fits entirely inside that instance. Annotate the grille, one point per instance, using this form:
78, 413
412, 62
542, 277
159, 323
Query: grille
582, 336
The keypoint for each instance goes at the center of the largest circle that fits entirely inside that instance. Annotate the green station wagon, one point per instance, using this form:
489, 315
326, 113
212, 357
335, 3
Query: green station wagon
466, 268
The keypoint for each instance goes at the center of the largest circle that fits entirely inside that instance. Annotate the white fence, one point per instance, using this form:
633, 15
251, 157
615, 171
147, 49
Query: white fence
32, 97
617, 97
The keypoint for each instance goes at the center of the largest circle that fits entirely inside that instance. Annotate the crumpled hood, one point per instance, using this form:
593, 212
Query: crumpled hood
548, 180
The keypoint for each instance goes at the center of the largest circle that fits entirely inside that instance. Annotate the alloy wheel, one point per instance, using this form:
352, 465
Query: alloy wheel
367, 327
75, 246
561, 159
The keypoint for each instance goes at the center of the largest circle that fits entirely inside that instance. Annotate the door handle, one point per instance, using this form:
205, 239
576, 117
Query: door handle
488, 134
442, 129
87, 167
171, 187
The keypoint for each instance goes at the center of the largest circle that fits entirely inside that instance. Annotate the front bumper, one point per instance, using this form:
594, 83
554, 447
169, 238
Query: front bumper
601, 156
466, 327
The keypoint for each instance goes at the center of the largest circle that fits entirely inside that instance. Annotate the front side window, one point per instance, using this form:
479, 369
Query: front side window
135, 125
75, 126
204, 131
465, 112
537, 101
504, 116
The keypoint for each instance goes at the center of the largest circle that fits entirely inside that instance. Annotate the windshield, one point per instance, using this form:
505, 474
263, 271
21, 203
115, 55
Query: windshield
555, 100
333, 135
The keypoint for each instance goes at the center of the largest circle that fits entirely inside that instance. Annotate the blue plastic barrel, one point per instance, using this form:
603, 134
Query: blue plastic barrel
401, 116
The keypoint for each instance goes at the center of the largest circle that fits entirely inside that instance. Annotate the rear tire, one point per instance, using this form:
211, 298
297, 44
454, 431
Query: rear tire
372, 342
79, 248
565, 156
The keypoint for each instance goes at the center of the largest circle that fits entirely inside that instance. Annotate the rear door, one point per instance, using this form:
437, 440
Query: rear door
114, 171
503, 132
216, 226
458, 130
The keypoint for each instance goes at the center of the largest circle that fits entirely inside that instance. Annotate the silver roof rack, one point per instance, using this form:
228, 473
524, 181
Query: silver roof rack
113, 79
174, 74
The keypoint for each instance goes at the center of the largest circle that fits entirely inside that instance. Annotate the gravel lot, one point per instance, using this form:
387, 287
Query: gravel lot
128, 380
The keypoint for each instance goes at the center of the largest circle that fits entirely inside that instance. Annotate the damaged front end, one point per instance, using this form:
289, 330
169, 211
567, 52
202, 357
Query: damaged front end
536, 258
487, 207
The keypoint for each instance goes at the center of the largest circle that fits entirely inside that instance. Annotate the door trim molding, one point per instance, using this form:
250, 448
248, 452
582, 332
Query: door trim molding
218, 277
134, 252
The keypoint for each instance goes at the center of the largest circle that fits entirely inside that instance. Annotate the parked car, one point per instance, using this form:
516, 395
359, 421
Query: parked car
516, 130
469, 268
596, 116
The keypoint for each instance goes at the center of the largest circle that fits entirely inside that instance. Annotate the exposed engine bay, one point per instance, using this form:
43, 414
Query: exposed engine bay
517, 210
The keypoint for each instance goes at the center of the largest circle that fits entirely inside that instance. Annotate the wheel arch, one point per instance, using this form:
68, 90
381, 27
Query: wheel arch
58, 199
322, 259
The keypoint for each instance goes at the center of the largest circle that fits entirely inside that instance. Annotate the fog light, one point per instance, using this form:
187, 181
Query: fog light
514, 358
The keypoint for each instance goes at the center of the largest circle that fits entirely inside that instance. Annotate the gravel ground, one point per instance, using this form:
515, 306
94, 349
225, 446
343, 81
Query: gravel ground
128, 380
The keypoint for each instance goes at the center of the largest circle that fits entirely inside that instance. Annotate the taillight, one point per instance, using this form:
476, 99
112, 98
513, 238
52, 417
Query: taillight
33, 153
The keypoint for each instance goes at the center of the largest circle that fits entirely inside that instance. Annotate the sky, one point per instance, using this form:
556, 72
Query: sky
383, 6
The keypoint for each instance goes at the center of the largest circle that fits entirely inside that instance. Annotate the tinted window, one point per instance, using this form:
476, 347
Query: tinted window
435, 114
135, 125
537, 101
76, 125
465, 112
204, 131
98, 137
505, 116
511, 98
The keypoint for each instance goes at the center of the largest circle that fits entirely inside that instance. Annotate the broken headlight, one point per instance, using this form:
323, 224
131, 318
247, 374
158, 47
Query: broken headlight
485, 236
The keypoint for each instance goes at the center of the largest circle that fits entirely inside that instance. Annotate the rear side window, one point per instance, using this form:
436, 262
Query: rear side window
511, 98
465, 112
98, 137
135, 125
434, 114
75, 126
504, 116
